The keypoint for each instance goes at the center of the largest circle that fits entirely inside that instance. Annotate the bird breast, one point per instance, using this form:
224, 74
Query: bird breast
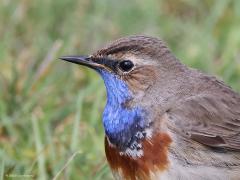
154, 160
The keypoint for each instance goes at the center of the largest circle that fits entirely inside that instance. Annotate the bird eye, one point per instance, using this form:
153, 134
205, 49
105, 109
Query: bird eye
126, 65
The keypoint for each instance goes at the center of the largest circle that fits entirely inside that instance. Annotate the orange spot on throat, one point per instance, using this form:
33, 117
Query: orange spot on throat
155, 158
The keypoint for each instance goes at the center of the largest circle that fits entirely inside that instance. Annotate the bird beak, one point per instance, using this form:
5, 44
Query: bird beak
82, 60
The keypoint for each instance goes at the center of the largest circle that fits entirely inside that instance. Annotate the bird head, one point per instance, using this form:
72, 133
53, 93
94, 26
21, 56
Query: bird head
134, 69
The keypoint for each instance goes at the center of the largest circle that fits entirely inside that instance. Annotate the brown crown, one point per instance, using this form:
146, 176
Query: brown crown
135, 44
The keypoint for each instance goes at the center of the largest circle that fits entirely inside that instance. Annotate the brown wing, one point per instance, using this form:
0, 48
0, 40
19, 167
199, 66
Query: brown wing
210, 119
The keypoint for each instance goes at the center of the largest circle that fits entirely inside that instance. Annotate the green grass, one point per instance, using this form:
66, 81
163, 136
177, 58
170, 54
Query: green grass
50, 111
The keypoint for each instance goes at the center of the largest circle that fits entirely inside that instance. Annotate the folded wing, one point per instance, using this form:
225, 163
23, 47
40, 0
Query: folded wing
209, 119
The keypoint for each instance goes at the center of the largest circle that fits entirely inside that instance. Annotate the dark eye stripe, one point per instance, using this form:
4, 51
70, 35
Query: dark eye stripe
110, 63
123, 65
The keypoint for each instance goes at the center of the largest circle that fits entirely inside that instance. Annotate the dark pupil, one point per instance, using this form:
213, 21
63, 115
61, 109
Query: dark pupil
126, 65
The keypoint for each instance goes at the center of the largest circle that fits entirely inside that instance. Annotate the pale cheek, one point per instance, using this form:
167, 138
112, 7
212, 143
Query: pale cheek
141, 79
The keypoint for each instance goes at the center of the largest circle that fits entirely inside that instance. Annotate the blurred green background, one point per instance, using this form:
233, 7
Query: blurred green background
50, 110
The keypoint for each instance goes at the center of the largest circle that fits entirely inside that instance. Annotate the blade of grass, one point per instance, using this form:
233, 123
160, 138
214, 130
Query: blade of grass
66, 165
39, 147
216, 12
46, 63
75, 133
2, 171
96, 105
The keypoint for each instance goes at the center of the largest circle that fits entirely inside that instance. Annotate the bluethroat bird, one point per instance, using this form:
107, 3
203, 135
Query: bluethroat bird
163, 120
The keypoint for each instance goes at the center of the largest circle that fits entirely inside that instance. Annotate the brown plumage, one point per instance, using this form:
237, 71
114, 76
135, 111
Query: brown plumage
210, 104
199, 114
155, 158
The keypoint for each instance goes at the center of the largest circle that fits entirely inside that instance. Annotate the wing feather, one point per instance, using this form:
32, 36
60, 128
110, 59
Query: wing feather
208, 119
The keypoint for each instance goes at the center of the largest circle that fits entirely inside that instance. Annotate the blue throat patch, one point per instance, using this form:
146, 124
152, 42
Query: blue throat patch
121, 123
